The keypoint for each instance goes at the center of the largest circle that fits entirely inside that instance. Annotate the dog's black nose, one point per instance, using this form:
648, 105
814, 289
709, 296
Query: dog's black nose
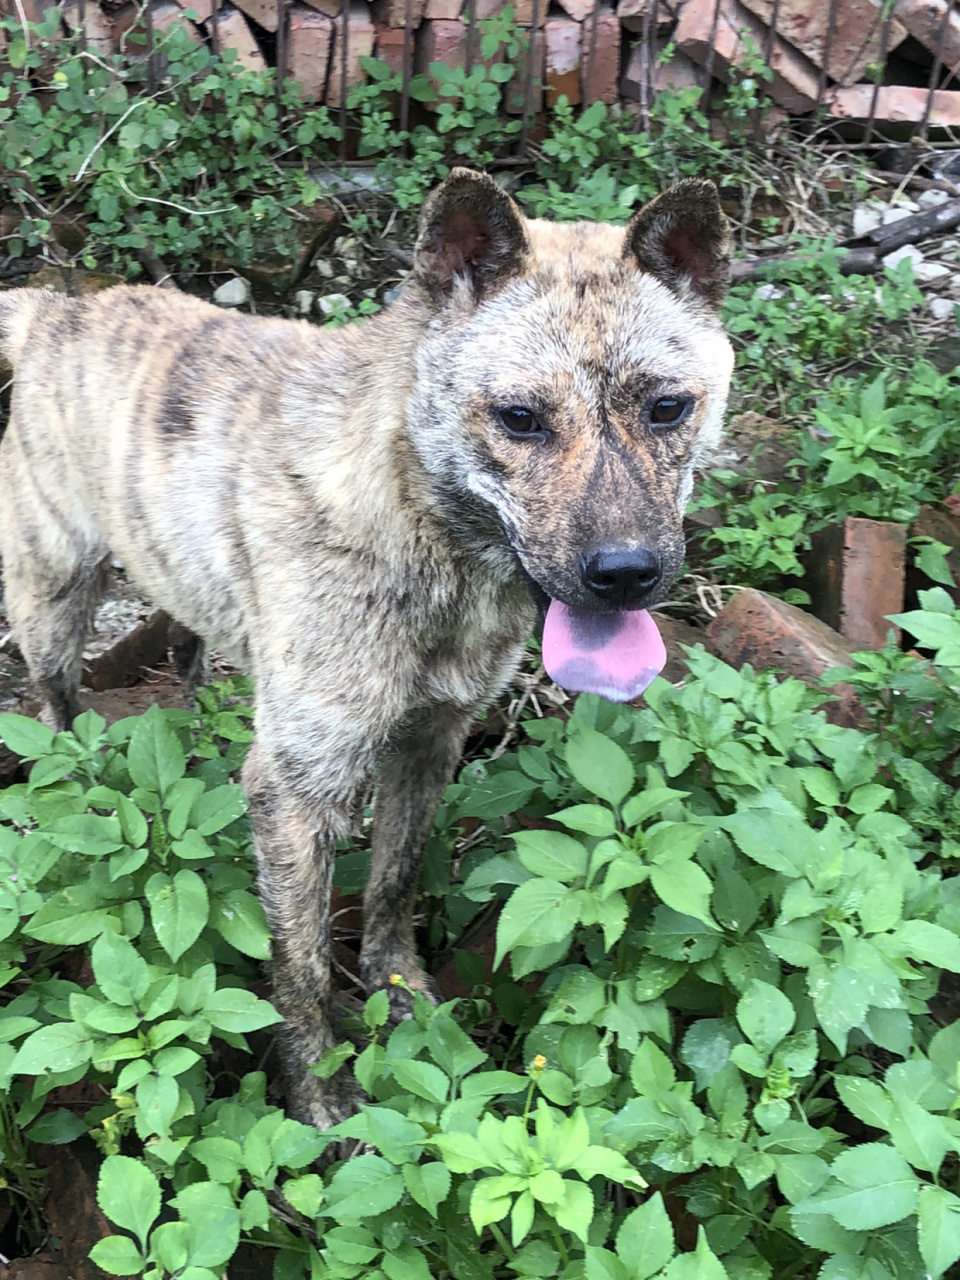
622, 576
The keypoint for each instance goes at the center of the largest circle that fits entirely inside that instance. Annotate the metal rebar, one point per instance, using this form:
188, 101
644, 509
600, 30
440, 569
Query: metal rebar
935, 69
82, 23
151, 64
646, 66
471, 35
827, 50
407, 71
587, 74
768, 59
708, 68
215, 26
528, 80
884, 49
344, 51
281, 52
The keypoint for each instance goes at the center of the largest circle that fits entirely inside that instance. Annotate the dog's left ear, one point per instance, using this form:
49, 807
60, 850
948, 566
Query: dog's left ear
683, 238
469, 229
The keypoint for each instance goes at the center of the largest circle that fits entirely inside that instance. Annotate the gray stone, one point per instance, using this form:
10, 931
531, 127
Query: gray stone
234, 293
896, 213
942, 308
333, 302
930, 199
304, 300
898, 255
927, 271
866, 217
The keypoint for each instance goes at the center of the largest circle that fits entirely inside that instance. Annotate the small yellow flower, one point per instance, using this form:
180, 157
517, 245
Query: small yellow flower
396, 979
539, 1062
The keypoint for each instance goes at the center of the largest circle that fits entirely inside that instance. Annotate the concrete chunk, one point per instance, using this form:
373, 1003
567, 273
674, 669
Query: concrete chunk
854, 40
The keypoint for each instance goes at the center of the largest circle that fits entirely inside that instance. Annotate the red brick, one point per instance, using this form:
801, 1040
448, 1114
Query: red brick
564, 45
924, 20
202, 8
389, 47
393, 13
679, 72
233, 32
332, 8
522, 10
310, 42
796, 81
854, 41
896, 103
856, 578
96, 26
360, 38
601, 58
578, 9
262, 11
440, 40
771, 635
129, 32
444, 10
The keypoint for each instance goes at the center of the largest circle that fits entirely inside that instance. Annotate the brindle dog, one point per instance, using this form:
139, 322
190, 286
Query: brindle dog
366, 518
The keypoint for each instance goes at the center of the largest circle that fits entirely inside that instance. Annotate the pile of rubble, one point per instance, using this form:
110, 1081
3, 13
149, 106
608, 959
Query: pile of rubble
857, 60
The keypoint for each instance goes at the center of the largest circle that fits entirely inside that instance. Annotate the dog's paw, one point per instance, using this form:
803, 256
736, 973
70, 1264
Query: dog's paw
322, 1103
401, 974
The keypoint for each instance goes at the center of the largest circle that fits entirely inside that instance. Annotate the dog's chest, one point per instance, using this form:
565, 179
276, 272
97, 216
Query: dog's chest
473, 656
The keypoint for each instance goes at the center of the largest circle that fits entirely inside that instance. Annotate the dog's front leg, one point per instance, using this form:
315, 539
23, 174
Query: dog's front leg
413, 771
295, 840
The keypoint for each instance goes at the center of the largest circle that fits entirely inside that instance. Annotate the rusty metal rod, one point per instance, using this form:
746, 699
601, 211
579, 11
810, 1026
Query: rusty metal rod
151, 65
708, 68
528, 80
587, 73
344, 51
884, 48
215, 26
407, 69
827, 50
935, 70
281, 53
471, 35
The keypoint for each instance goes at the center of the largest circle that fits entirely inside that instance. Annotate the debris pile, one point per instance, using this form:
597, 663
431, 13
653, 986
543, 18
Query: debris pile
866, 61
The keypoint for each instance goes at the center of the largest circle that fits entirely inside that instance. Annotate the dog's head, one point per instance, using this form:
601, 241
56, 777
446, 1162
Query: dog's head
569, 379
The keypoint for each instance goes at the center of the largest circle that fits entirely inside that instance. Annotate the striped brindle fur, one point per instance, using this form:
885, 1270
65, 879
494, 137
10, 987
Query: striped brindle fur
344, 515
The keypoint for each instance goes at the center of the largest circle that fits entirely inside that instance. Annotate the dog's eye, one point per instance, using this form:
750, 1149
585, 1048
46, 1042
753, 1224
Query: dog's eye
517, 421
669, 411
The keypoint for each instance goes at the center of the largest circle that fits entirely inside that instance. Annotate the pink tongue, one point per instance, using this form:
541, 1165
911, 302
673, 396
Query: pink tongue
613, 654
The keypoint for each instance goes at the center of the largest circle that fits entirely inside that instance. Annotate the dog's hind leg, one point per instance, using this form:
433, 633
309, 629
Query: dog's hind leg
413, 772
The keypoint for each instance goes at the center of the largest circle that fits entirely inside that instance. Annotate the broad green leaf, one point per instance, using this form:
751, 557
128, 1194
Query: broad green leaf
178, 909
575, 1212
646, 803
538, 912
121, 973
931, 943
423, 1079
71, 916
118, 1255
129, 1194
216, 809
598, 764
601, 1264
428, 1184
684, 886
363, 1188
591, 819
59, 1047
239, 917
939, 1233
872, 1186
552, 854
214, 1220
237, 1010
157, 1101
496, 795
154, 755
703, 1264
645, 1239
56, 1127
765, 1015
24, 737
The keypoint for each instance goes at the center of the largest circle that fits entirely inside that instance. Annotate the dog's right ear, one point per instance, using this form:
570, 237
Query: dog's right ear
470, 230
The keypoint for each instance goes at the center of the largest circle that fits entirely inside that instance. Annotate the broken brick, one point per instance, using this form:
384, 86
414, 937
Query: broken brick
854, 39
309, 41
360, 38
772, 635
896, 103
563, 38
924, 20
96, 26
856, 577
440, 40
233, 32
263, 12
395, 13
796, 81
601, 57
578, 9
445, 10
129, 31
678, 72
943, 524
389, 46
522, 10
